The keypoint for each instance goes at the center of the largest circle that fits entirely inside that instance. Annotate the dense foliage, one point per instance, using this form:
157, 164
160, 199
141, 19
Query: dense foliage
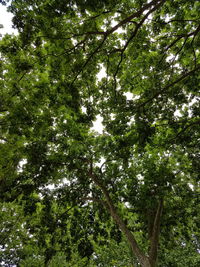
126, 196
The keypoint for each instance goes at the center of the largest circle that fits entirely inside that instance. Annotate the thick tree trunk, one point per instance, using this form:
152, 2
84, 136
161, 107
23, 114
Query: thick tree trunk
144, 260
154, 239
146, 263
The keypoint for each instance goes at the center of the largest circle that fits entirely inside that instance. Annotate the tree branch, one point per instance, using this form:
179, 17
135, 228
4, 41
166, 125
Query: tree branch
138, 26
155, 235
186, 127
136, 14
179, 37
157, 4
185, 75
88, 59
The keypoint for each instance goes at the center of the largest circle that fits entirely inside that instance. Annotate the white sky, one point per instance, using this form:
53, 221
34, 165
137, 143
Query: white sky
6, 20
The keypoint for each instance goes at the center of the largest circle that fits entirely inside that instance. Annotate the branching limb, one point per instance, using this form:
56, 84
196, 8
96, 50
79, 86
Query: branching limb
138, 26
185, 75
137, 14
89, 58
197, 122
179, 37
120, 24
133, 243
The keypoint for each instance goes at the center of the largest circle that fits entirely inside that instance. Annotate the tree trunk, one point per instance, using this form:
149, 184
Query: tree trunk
144, 260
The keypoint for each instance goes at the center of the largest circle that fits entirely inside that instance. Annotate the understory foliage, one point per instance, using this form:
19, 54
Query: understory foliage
125, 195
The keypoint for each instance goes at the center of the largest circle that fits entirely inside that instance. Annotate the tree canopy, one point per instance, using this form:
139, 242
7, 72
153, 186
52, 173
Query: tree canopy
126, 196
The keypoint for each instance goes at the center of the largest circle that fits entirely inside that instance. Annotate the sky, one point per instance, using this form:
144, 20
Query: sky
6, 21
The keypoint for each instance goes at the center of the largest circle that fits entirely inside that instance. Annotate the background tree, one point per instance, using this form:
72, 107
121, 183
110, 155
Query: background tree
143, 170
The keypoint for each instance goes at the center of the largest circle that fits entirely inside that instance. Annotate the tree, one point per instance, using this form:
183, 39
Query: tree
143, 170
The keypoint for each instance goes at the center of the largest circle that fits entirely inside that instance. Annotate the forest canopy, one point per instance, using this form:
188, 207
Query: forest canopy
125, 196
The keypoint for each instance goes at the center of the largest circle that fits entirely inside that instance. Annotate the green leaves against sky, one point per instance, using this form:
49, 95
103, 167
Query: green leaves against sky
132, 189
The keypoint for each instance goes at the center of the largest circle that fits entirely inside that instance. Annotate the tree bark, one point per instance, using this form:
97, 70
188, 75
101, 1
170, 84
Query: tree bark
154, 239
142, 258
